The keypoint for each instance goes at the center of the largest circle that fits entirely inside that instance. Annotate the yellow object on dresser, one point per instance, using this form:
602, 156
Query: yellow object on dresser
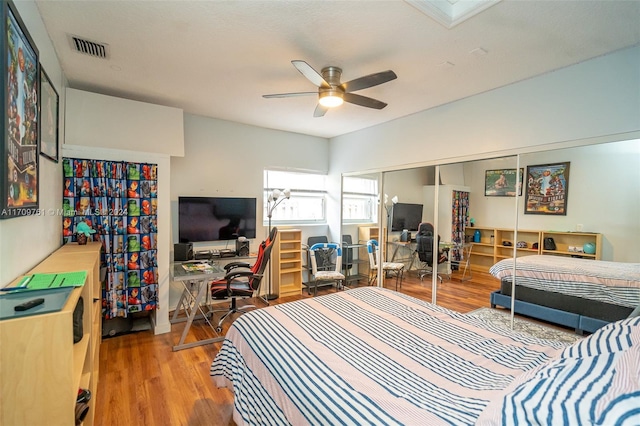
41, 369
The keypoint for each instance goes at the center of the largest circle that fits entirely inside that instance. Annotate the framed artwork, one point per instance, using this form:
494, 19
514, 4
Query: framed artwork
49, 101
502, 183
547, 189
20, 94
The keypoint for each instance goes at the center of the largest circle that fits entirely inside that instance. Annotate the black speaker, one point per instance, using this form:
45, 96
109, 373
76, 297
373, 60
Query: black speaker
242, 248
182, 252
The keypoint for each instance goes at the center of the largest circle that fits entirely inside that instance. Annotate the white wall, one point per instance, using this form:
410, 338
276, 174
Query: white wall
599, 97
123, 124
26, 241
227, 159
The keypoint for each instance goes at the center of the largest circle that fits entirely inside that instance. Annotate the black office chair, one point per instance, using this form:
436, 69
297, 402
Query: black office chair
424, 250
242, 280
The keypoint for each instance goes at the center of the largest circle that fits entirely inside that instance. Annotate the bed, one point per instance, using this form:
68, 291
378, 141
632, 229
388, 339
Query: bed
581, 293
374, 356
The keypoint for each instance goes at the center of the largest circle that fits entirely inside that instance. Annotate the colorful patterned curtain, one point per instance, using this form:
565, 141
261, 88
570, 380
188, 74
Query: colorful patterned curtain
119, 201
460, 215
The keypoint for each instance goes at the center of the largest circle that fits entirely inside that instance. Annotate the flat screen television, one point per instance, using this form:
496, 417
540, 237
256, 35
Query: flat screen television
215, 218
406, 216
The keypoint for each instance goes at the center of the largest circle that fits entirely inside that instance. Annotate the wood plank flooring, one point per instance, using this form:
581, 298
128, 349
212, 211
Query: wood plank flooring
142, 381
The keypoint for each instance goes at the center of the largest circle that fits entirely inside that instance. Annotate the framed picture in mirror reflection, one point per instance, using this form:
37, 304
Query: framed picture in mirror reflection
502, 183
547, 189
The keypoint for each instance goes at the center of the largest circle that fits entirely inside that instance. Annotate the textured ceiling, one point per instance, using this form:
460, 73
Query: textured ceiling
217, 58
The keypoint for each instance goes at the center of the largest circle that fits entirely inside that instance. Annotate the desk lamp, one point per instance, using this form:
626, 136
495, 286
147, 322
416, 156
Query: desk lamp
273, 200
394, 201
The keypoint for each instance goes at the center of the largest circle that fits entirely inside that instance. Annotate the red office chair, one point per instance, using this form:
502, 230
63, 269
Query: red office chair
242, 280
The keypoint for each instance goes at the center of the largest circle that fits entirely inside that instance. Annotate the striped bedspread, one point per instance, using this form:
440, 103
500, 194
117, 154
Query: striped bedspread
369, 356
610, 282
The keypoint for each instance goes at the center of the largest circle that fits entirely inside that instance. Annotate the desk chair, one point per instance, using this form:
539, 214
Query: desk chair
330, 255
242, 280
389, 268
424, 250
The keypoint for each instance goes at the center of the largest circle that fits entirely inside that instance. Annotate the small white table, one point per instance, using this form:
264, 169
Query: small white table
196, 290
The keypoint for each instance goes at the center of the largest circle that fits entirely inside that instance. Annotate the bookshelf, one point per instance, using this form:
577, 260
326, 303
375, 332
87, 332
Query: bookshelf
489, 251
287, 262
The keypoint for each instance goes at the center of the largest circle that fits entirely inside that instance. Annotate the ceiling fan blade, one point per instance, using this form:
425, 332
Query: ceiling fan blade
363, 101
368, 81
312, 75
320, 111
289, 95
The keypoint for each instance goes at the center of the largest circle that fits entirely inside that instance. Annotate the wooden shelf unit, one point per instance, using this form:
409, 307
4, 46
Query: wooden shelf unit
42, 367
488, 252
483, 252
577, 239
287, 262
504, 252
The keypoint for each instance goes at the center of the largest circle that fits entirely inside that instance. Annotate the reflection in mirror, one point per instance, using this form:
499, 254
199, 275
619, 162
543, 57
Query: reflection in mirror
581, 206
360, 223
603, 197
492, 190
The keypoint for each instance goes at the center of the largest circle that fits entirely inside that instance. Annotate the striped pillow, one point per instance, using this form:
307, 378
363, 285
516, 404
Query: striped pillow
595, 381
614, 337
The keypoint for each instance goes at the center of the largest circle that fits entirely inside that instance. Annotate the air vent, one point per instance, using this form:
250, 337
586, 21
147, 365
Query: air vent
91, 48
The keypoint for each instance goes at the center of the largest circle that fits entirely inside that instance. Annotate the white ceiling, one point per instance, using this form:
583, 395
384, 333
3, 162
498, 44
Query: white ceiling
217, 58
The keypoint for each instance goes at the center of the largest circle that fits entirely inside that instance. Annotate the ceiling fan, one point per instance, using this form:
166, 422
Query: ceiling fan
332, 93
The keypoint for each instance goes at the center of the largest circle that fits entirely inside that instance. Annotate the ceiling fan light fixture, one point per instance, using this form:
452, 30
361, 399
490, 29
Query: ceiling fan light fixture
332, 92
331, 98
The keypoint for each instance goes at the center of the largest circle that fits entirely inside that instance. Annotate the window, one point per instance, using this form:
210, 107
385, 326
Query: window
360, 200
307, 200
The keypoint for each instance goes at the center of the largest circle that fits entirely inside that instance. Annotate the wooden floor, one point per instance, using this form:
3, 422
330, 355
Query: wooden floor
142, 381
